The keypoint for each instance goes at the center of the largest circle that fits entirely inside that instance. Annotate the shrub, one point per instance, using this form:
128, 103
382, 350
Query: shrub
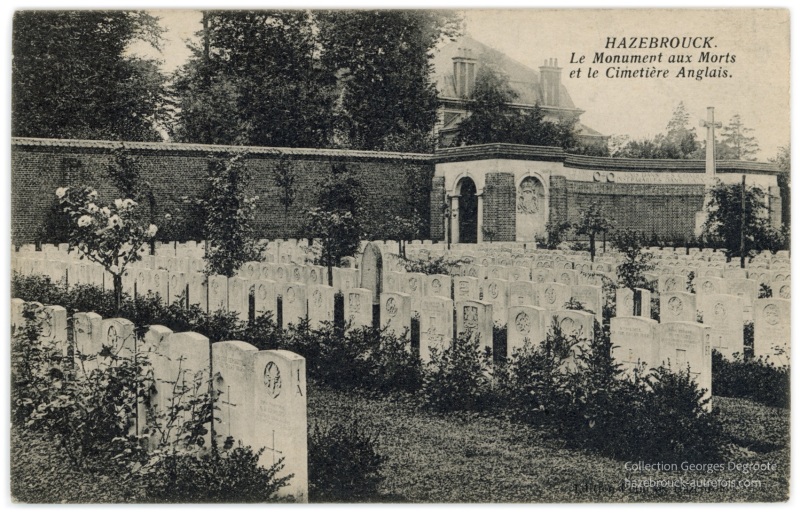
217, 476
343, 463
754, 379
431, 265
457, 377
591, 405
88, 414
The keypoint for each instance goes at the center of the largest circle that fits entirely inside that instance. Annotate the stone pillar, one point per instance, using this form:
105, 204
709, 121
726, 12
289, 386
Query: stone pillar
480, 218
454, 236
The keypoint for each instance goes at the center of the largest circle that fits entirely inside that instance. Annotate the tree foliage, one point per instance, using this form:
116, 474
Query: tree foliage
72, 78
492, 118
255, 79
592, 222
679, 142
725, 217
382, 60
737, 141
635, 263
229, 216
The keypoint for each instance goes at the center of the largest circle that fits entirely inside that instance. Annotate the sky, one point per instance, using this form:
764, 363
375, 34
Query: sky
756, 88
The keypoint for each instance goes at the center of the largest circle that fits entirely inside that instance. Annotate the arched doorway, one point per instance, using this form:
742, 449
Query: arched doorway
467, 211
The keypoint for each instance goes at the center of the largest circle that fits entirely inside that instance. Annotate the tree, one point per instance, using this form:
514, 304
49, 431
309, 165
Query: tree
592, 222
337, 221
725, 218
229, 216
382, 60
736, 142
256, 80
635, 263
679, 142
284, 181
125, 174
493, 120
72, 79
111, 236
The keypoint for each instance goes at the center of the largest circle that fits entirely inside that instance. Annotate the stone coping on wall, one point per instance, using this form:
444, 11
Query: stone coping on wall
442, 155
549, 153
202, 149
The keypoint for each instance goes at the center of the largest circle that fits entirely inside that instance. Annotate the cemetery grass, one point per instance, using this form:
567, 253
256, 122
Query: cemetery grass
468, 457
458, 457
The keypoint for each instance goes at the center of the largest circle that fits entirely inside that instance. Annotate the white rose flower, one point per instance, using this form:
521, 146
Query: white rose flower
168, 216
92, 208
151, 230
118, 203
114, 221
128, 203
106, 211
93, 194
61, 191
84, 221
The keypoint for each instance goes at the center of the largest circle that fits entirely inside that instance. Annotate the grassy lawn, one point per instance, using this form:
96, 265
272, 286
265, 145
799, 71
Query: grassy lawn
463, 458
468, 458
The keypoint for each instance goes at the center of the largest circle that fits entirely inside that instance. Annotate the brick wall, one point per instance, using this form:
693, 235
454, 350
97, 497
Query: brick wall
438, 200
664, 209
499, 206
176, 171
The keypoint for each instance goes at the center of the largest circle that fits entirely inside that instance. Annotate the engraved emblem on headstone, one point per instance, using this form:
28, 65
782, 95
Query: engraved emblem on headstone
272, 379
523, 323
771, 314
473, 272
493, 290
569, 327
280, 273
113, 337
470, 317
550, 295
565, 278
251, 268
463, 288
157, 280
313, 275
290, 295
670, 285
436, 285
708, 287
262, 291
719, 311
675, 305
297, 274
412, 283
391, 307
174, 281
317, 298
785, 292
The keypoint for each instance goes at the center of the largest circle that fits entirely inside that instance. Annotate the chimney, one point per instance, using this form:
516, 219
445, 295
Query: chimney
464, 73
550, 82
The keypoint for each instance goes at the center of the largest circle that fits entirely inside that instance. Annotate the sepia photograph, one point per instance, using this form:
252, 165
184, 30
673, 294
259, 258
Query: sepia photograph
433, 255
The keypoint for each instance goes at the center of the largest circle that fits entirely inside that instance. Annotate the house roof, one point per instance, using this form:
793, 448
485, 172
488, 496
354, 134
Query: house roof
522, 79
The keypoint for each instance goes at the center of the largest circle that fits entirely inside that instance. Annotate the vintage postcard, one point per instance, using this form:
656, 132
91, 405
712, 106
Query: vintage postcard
400, 256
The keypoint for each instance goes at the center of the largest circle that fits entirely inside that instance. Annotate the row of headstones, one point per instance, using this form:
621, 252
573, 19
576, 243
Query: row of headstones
639, 344
745, 288
262, 394
723, 317
275, 252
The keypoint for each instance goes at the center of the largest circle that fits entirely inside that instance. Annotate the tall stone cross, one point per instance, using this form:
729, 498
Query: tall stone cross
711, 159
711, 168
